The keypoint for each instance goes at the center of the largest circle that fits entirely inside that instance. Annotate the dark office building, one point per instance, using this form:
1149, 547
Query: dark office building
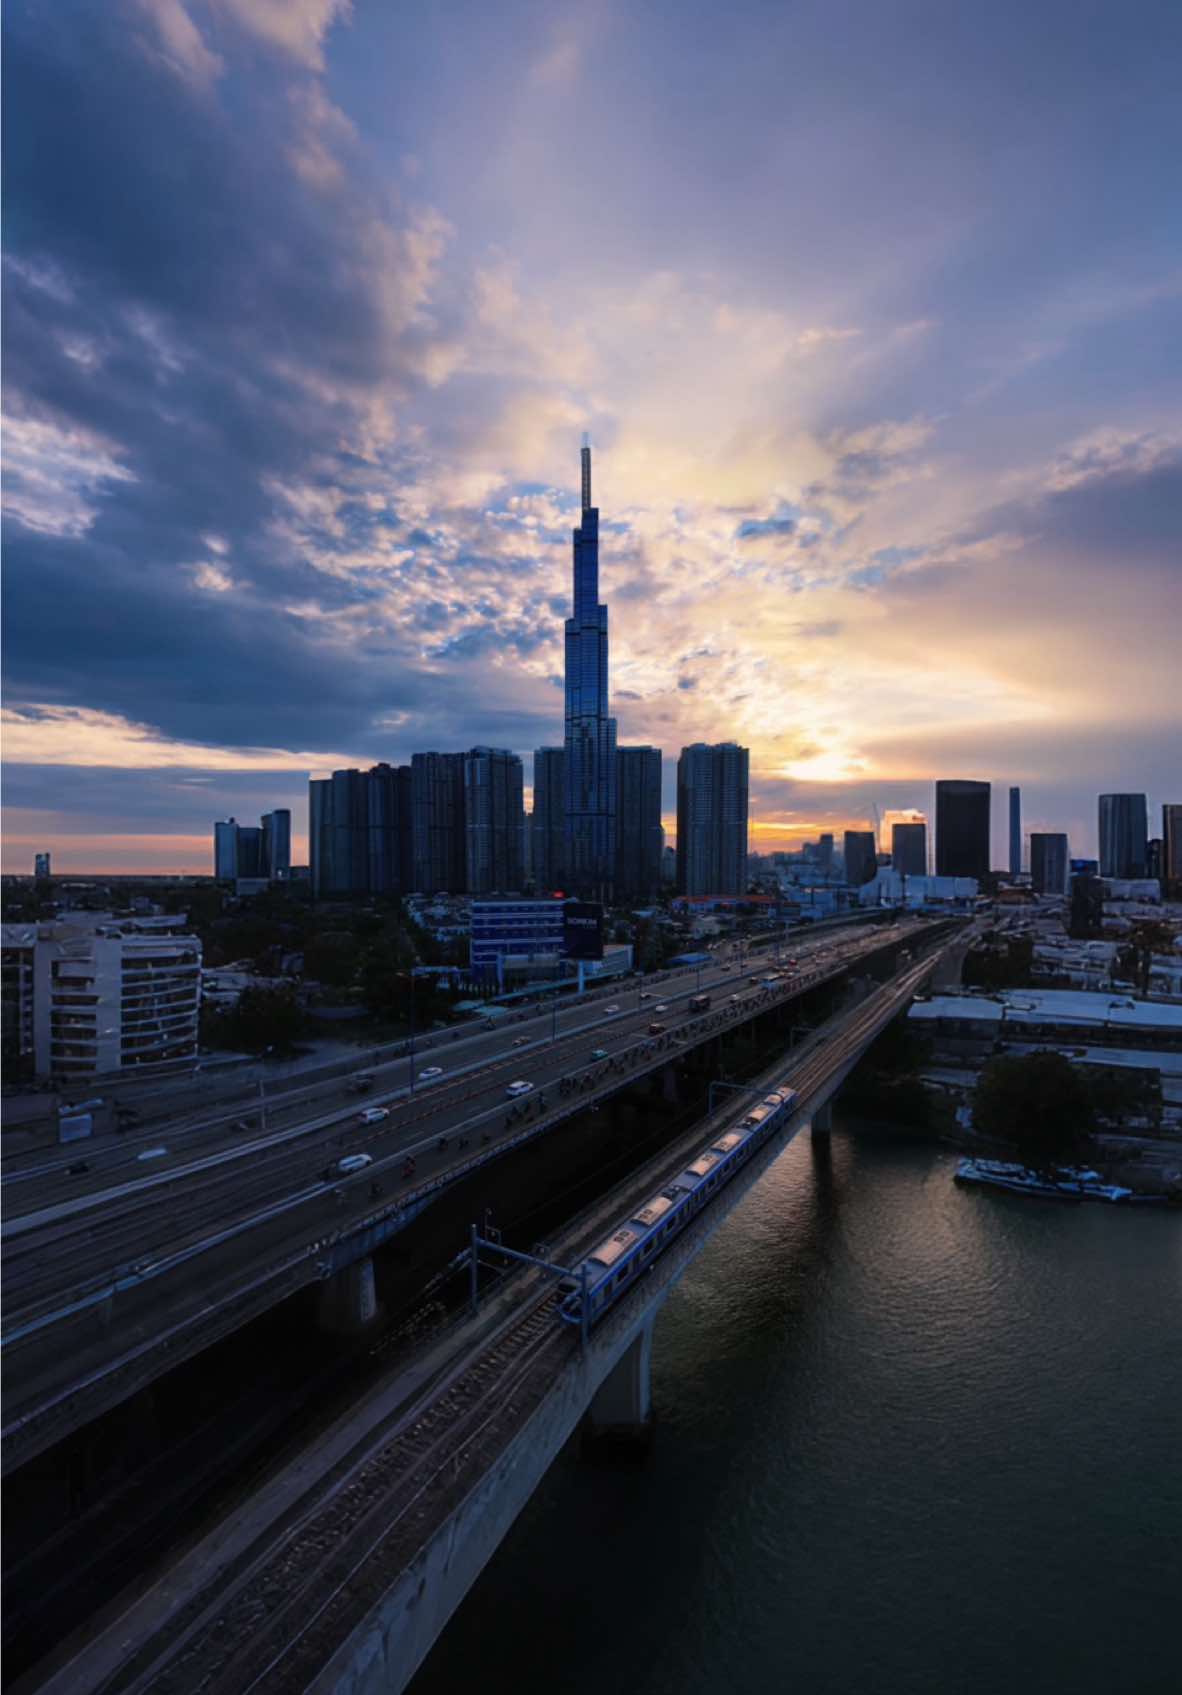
861, 857
639, 837
277, 844
1171, 851
437, 823
590, 731
1048, 863
494, 818
712, 788
358, 833
962, 829
548, 831
1015, 832
909, 849
1124, 833
1086, 913
388, 830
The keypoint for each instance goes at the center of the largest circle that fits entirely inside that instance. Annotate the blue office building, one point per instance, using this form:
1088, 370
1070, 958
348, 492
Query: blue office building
590, 740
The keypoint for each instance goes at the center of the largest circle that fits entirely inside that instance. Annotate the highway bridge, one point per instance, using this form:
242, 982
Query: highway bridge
340, 1572
180, 1233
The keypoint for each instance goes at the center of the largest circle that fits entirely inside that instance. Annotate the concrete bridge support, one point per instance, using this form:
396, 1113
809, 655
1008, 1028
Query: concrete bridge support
822, 1120
348, 1300
620, 1416
669, 1088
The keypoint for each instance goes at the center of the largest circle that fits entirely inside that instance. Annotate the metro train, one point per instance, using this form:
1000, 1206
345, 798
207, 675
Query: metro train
614, 1266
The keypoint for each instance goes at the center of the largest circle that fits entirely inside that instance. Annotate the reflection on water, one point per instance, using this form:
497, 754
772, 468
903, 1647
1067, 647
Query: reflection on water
912, 1438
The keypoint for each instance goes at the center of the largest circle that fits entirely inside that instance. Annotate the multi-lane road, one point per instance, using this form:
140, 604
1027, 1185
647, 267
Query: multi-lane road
164, 1226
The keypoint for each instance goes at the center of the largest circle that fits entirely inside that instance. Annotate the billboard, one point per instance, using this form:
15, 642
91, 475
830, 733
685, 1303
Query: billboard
582, 929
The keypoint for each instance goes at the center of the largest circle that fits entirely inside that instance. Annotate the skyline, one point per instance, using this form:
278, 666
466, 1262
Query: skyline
878, 377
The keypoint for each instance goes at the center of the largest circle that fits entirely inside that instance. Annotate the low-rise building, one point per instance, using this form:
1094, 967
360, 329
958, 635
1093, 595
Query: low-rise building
99, 994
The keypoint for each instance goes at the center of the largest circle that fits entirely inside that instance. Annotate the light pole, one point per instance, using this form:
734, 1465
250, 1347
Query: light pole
412, 1029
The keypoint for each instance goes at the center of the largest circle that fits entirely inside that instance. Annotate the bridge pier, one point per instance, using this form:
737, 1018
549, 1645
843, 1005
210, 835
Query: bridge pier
669, 1089
822, 1120
348, 1300
620, 1416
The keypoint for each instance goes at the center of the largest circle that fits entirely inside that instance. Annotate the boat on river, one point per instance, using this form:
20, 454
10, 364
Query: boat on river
1062, 1183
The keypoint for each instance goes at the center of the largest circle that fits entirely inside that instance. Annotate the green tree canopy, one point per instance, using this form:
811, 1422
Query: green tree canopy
1038, 1101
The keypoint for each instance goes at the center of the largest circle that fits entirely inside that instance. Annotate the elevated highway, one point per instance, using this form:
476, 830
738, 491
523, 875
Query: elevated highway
340, 1574
147, 1260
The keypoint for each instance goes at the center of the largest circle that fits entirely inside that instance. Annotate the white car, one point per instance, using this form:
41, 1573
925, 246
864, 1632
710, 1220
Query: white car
519, 1088
660, 1007
352, 1162
430, 1074
374, 1114
612, 1008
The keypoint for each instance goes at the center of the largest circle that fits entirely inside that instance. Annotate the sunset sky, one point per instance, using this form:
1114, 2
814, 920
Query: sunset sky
873, 314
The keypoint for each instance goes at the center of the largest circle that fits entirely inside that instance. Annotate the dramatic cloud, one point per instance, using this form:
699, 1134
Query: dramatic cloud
306, 306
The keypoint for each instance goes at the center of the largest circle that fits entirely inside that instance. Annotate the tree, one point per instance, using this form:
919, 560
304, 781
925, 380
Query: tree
1135, 960
1039, 1101
261, 1019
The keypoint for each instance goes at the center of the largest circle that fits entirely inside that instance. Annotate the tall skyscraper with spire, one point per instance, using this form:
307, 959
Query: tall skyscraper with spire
590, 740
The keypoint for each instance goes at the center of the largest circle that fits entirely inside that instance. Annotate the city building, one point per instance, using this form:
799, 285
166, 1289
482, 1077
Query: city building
253, 852
1015, 832
437, 823
91, 994
494, 818
277, 844
962, 829
825, 852
41, 866
639, 835
712, 795
1086, 910
889, 887
389, 859
250, 851
861, 856
525, 936
1048, 863
1124, 834
359, 832
548, 832
590, 732
225, 850
1171, 851
909, 849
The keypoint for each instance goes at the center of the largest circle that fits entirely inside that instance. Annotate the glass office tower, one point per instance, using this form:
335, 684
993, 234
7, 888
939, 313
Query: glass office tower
590, 740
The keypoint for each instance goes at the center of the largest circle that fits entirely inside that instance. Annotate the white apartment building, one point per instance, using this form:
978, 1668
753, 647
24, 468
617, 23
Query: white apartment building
89, 994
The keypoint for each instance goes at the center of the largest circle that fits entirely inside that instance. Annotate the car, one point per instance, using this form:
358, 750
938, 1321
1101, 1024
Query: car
521, 1041
736, 997
78, 1167
656, 1028
661, 1007
521, 1087
645, 995
612, 1008
598, 1053
430, 1073
344, 1167
374, 1114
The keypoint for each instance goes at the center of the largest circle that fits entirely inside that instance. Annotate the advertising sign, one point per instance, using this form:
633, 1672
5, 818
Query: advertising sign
582, 929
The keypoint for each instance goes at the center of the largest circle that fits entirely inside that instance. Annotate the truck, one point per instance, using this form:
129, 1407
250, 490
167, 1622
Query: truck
699, 1003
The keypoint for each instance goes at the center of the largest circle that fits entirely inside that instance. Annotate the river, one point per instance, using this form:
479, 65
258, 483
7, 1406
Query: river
910, 1438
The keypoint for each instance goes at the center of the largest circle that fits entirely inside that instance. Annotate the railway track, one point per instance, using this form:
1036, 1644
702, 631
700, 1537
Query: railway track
289, 1603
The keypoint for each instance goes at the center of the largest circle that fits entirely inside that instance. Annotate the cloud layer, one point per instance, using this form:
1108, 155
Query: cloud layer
307, 305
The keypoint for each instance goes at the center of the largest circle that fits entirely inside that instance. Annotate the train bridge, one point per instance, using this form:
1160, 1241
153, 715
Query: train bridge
338, 1575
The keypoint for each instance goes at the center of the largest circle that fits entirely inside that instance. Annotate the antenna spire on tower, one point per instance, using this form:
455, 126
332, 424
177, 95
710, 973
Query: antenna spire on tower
586, 462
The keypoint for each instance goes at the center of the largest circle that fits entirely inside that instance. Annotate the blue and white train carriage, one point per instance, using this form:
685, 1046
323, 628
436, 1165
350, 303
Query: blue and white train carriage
614, 1266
